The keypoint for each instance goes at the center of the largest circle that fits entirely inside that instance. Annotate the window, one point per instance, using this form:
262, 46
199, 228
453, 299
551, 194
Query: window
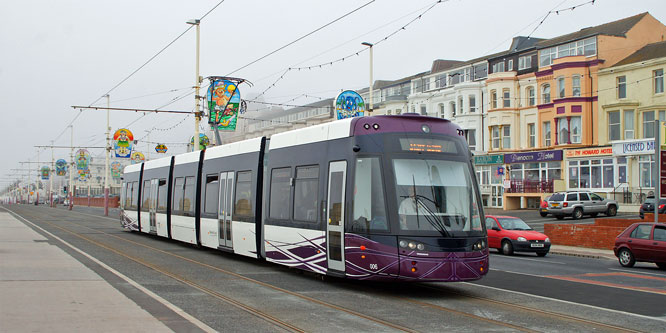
621, 83
584, 197
211, 195
423, 110
442, 112
648, 122
510, 65
177, 203
145, 195
506, 98
642, 231
587, 47
188, 198
628, 124
645, 166
575, 129
472, 103
562, 131
470, 136
572, 197
498, 67
531, 135
495, 135
659, 233
524, 62
560, 87
243, 210
614, 125
162, 196
658, 81
506, 137
368, 205
530, 96
493, 99
460, 105
306, 190
453, 109
546, 134
575, 85
280, 192
545, 94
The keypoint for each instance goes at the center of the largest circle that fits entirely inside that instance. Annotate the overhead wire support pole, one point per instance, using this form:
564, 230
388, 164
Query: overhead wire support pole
106, 164
197, 86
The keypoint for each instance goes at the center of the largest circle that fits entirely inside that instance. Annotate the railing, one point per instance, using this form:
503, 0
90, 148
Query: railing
531, 186
631, 195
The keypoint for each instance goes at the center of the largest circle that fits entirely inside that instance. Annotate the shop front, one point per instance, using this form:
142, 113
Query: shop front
490, 172
635, 160
532, 175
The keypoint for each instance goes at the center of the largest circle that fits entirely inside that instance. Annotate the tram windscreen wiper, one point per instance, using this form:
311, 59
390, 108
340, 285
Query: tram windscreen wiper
432, 218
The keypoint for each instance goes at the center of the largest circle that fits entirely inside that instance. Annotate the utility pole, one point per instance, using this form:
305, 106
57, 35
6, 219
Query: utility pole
70, 188
197, 85
51, 178
38, 181
147, 145
106, 165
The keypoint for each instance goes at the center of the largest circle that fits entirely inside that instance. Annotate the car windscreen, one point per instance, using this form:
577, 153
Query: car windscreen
513, 224
557, 197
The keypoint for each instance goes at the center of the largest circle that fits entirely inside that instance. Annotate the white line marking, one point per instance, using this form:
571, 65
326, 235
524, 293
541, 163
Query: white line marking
537, 260
156, 297
568, 302
638, 273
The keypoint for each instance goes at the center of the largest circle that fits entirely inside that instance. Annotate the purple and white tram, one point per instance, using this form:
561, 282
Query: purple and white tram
378, 198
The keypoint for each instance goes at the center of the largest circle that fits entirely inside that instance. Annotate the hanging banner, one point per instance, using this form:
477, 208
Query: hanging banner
84, 175
60, 167
137, 157
223, 100
45, 172
82, 158
161, 148
116, 170
123, 139
349, 104
203, 141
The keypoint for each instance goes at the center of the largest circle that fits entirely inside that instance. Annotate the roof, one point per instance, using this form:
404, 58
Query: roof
440, 65
647, 52
270, 114
616, 28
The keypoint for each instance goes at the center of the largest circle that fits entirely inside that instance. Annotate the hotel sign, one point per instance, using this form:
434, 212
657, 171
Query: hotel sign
634, 147
537, 156
588, 152
488, 159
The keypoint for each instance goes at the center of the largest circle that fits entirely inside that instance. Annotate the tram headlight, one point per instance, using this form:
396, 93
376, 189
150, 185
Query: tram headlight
420, 247
412, 245
479, 245
402, 243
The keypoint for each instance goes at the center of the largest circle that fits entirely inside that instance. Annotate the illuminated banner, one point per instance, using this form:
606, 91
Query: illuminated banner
82, 159
123, 142
203, 141
137, 157
116, 169
60, 167
84, 175
161, 148
223, 99
45, 171
349, 104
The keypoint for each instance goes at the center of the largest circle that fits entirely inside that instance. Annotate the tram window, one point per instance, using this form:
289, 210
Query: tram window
188, 199
335, 198
212, 194
145, 194
135, 195
243, 201
123, 188
306, 190
178, 194
162, 196
280, 192
369, 209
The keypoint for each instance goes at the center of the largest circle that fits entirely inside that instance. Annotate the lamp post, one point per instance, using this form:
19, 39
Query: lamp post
197, 82
107, 149
70, 188
369, 45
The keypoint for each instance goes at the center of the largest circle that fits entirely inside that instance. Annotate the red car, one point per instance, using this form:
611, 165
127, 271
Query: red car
508, 234
641, 242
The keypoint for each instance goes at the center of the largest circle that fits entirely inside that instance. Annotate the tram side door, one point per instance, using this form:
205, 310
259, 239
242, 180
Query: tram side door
335, 215
154, 183
224, 213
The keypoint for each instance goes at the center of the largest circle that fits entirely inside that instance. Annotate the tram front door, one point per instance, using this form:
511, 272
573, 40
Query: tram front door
335, 215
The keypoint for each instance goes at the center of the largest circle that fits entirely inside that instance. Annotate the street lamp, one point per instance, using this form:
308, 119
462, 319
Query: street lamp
369, 45
197, 82
107, 151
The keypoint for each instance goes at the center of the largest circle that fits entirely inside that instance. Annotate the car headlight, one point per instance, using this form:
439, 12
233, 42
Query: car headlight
522, 239
547, 240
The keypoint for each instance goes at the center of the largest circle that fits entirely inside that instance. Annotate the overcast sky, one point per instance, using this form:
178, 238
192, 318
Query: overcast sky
55, 54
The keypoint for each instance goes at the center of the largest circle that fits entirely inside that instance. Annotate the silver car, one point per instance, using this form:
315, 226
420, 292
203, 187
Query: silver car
579, 203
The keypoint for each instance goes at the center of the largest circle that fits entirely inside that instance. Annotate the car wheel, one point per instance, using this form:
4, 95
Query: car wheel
543, 214
661, 265
594, 214
577, 214
507, 248
560, 217
542, 254
626, 258
612, 210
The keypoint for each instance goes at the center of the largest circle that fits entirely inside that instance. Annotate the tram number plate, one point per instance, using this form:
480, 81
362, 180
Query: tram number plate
536, 245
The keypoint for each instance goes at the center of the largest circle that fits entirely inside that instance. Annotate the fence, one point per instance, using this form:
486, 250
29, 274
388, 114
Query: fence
530, 186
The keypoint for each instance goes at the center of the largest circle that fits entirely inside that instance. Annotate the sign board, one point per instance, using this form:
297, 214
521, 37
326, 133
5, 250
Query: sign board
537, 156
349, 104
123, 142
488, 159
588, 152
634, 147
223, 99
507, 184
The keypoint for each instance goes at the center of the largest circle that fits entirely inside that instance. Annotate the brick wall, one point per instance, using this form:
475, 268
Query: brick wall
96, 202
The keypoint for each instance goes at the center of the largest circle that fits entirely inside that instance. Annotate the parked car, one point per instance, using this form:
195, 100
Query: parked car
648, 207
510, 234
642, 242
579, 203
543, 207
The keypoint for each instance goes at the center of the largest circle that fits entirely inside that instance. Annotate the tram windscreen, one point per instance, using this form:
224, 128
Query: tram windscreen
436, 195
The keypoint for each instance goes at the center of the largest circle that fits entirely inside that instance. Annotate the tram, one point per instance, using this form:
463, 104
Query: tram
370, 198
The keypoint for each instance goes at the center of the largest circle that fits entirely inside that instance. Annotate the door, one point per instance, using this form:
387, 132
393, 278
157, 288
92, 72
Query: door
659, 243
493, 235
640, 242
153, 205
224, 213
335, 215
589, 206
598, 203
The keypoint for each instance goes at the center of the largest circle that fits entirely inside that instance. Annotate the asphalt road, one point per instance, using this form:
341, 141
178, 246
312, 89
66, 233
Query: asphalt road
534, 220
233, 293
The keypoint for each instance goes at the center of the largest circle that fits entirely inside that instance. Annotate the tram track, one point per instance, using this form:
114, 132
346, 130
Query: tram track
285, 325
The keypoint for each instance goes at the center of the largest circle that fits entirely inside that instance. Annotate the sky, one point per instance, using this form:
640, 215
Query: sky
58, 54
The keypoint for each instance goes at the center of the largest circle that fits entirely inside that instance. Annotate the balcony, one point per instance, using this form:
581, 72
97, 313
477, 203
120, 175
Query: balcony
530, 186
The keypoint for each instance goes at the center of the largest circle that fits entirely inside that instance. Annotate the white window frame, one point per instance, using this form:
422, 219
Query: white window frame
575, 86
658, 81
621, 84
546, 133
531, 135
506, 137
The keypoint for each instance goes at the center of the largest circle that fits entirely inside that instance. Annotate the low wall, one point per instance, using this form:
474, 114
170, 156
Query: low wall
96, 202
